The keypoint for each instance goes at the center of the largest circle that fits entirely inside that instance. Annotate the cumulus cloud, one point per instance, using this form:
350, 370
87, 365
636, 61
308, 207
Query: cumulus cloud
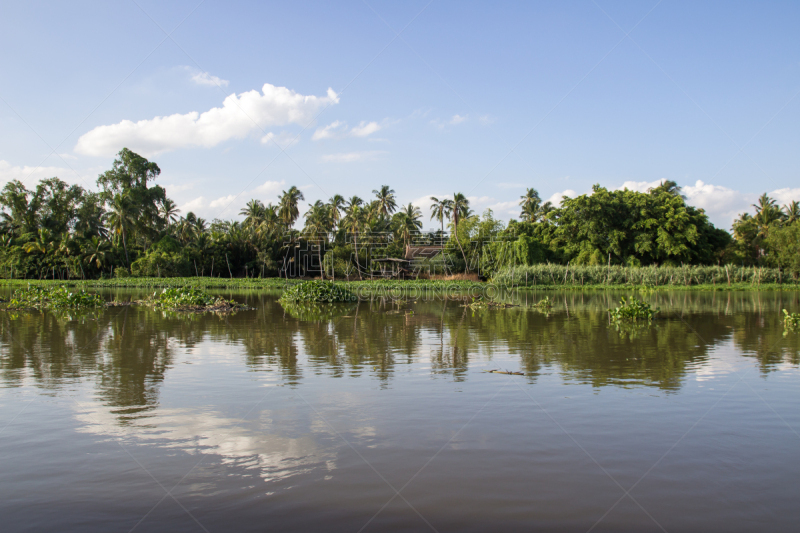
238, 117
9, 172
269, 189
556, 198
205, 78
458, 119
350, 157
338, 130
364, 129
282, 140
640, 186
786, 196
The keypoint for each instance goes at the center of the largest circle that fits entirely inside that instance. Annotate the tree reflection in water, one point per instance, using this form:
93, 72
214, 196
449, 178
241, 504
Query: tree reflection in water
128, 351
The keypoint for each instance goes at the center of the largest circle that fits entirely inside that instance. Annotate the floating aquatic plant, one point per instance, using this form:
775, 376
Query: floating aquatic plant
632, 310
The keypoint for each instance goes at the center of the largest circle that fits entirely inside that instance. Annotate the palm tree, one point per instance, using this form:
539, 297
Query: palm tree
354, 222
318, 224
336, 204
791, 212
669, 187
440, 210
530, 202
409, 219
168, 212
96, 252
42, 244
288, 201
459, 210
253, 213
121, 218
386, 201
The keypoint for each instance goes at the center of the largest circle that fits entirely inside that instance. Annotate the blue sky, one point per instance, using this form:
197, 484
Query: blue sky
430, 98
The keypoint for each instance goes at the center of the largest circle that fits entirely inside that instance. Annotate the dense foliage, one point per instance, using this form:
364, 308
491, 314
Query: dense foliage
129, 227
791, 321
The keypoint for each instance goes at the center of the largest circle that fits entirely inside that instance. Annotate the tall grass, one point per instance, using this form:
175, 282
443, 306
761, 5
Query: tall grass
544, 275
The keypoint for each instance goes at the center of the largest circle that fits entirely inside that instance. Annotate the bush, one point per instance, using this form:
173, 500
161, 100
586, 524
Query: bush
158, 264
122, 272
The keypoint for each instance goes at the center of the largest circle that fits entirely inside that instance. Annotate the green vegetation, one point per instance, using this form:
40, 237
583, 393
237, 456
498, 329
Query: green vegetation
190, 299
316, 312
791, 321
544, 303
318, 291
632, 310
57, 297
130, 228
649, 278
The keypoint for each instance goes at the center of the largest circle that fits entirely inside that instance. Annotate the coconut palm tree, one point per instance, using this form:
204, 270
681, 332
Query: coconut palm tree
459, 211
336, 204
122, 218
791, 212
355, 222
288, 201
409, 222
96, 251
253, 213
318, 225
168, 211
440, 210
386, 202
530, 202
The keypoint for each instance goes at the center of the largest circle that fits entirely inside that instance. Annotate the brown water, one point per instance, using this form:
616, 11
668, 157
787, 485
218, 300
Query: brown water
379, 417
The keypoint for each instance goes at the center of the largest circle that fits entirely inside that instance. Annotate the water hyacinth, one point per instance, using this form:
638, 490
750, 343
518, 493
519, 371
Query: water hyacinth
58, 297
318, 291
632, 310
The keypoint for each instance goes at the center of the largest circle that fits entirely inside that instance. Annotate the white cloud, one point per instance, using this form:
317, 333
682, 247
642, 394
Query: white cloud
721, 204
332, 130
283, 140
338, 130
640, 186
458, 119
556, 198
364, 129
486, 119
786, 196
30, 174
350, 157
237, 118
270, 189
204, 78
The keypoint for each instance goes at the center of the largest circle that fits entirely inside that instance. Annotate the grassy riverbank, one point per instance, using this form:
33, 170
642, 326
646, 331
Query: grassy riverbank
540, 277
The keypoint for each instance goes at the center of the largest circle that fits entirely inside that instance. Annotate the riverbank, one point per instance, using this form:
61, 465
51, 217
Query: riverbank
497, 286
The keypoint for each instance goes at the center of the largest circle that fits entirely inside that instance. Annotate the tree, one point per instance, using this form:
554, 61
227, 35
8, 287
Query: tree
386, 202
121, 218
409, 222
96, 251
318, 224
459, 209
168, 212
791, 212
288, 210
336, 204
530, 203
440, 210
254, 213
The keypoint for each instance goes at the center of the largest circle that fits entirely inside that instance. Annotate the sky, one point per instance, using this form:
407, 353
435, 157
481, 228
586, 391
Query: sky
236, 101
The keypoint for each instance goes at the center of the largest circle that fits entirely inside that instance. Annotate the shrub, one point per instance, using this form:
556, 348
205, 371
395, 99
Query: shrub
54, 298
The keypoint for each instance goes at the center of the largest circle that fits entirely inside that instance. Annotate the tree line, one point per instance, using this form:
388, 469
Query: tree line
129, 226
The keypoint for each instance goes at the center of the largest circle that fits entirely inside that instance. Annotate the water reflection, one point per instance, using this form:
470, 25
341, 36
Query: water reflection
127, 352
